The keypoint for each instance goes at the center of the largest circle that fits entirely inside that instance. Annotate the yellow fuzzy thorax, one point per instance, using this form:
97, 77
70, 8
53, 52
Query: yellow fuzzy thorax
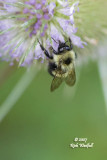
64, 69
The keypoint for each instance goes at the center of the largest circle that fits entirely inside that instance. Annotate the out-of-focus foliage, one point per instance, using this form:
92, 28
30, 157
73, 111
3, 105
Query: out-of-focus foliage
91, 21
42, 124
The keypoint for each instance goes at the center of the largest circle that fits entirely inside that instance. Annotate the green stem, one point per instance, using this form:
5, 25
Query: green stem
17, 92
102, 65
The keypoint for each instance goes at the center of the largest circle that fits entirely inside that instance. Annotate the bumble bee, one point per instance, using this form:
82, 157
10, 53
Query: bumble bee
61, 64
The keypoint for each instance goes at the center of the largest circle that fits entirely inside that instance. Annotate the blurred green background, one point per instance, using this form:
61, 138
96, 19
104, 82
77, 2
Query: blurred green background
41, 125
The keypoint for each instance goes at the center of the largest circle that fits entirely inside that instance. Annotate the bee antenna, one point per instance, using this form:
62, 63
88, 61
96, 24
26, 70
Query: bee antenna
54, 40
38, 40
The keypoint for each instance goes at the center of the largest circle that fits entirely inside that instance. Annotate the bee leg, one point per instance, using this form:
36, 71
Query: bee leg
45, 51
54, 51
51, 50
71, 46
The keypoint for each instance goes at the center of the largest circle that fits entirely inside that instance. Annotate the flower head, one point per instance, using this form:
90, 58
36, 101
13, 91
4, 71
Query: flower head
23, 23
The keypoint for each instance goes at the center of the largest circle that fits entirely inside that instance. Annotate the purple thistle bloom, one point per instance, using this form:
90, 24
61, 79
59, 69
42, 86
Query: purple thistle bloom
23, 23
47, 16
38, 6
32, 2
51, 8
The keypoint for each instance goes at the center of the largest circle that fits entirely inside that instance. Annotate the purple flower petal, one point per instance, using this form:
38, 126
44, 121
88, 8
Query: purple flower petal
39, 16
42, 34
32, 2
77, 41
38, 6
51, 7
46, 16
43, 2
45, 27
26, 10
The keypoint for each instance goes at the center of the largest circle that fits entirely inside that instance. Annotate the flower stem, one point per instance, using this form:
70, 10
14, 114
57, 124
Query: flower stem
102, 65
17, 92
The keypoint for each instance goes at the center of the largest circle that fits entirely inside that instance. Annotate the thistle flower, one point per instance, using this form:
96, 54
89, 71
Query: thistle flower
22, 23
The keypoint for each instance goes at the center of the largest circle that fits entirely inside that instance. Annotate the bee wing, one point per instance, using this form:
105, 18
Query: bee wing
71, 78
56, 82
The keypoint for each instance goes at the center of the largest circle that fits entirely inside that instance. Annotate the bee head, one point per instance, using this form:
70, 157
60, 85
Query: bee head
63, 47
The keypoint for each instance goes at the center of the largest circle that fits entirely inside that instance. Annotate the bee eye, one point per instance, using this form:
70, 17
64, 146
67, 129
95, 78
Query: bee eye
67, 48
61, 49
68, 61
